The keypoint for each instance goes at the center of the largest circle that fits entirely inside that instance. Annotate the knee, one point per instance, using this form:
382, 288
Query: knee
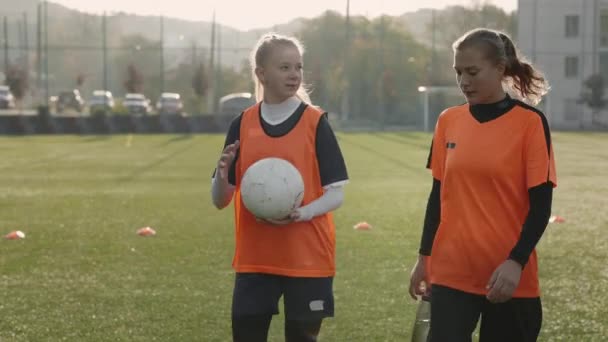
302, 331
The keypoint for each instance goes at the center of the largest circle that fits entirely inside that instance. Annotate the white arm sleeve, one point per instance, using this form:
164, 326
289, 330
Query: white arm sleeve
221, 192
331, 200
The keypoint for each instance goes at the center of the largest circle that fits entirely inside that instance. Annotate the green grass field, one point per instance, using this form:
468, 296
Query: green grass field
82, 274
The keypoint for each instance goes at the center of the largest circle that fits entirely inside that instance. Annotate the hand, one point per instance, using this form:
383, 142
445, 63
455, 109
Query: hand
504, 281
301, 214
297, 215
419, 284
226, 159
276, 222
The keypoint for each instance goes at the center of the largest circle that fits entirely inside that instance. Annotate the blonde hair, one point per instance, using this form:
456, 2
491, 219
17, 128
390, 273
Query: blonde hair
260, 54
522, 79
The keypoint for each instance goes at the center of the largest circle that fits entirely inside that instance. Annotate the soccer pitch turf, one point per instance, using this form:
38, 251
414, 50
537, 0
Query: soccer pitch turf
82, 274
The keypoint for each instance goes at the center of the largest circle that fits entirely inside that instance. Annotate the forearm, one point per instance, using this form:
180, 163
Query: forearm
431, 219
536, 222
221, 192
331, 200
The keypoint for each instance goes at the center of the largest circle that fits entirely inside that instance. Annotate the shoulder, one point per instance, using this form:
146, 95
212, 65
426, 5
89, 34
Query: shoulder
452, 113
315, 111
534, 121
531, 115
236, 122
252, 110
528, 110
247, 114
313, 116
323, 125
234, 130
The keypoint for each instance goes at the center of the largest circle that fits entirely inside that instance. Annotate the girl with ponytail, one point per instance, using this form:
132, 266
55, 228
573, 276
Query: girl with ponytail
493, 178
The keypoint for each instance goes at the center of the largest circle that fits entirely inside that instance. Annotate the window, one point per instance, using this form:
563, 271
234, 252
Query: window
572, 110
571, 66
604, 65
572, 24
604, 28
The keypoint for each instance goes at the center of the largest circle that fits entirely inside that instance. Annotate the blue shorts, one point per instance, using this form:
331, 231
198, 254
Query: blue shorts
304, 298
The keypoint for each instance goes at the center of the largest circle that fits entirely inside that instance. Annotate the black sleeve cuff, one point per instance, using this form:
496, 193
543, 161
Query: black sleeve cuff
541, 197
431, 219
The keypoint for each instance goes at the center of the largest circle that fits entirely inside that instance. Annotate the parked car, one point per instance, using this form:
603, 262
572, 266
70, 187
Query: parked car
7, 100
101, 101
233, 104
69, 99
137, 104
169, 103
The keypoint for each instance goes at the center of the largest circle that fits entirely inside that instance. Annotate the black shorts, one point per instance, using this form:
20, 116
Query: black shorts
454, 316
304, 298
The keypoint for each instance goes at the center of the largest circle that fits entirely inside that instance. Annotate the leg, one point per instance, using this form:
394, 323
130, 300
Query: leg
253, 328
255, 300
302, 331
307, 302
519, 319
454, 314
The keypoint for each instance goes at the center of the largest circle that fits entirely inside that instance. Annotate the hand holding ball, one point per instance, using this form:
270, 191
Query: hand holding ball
272, 188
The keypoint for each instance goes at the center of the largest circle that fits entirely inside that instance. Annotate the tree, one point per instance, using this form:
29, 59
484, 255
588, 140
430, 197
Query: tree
450, 24
134, 82
140, 59
381, 66
235, 81
200, 81
17, 81
80, 80
454, 21
593, 97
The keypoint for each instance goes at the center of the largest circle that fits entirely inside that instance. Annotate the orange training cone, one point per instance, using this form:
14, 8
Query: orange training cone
362, 226
15, 235
146, 231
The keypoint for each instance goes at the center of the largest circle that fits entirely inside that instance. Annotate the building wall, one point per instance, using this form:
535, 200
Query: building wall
542, 39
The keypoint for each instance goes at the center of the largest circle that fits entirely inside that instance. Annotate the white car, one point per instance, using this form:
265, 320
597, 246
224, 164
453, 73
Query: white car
101, 101
169, 103
137, 104
7, 100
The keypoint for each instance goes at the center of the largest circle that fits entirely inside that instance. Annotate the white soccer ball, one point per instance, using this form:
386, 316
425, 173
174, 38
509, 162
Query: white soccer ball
272, 188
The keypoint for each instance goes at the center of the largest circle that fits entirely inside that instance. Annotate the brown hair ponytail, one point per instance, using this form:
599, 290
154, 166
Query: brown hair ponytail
521, 78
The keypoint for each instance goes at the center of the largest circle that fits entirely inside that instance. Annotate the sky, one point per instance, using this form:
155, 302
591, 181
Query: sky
249, 14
